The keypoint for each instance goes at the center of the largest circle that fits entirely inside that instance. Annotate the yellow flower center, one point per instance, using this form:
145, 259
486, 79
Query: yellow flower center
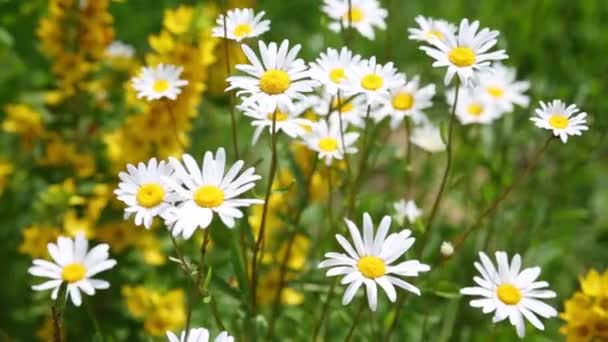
508, 294
495, 91
150, 195
462, 56
475, 109
274, 82
242, 30
160, 86
558, 121
356, 15
280, 116
372, 82
434, 34
403, 101
337, 75
73, 273
345, 107
209, 196
371, 266
328, 144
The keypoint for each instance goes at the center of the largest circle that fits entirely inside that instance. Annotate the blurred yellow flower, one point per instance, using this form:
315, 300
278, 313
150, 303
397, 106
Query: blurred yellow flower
73, 224
586, 312
119, 235
6, 169
178, 21
160, 311
268, 287
138, 299
24, 121
36, 238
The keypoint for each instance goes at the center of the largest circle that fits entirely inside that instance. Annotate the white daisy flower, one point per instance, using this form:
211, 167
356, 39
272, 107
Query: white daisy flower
352, 111
373, 80
369, 262
326, 139
430, 28
288, 119
74, 265
406, 209
510, 293
500, 88
563, 121
330, 69
408, 100
159, 82
208, 190
198, 335
145, 192
364, 15
465, 54
428, 138
278, 78
241, 23
119, 49
471, 107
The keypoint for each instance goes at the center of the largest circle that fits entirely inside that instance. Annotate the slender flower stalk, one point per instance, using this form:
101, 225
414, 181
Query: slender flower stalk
360, 310
341, 125
503, 196
258, 247
174, 123
199, 277
446, 171
365, 147
235, 143
402, 300
292, 238
408, 158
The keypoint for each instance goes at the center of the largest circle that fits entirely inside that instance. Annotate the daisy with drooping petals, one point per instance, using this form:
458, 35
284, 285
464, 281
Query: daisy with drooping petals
325, 139
471, 108
74, 265
288, 119
207, 190
363, 15
373, 80
406, 209
563, 121
145, 192
241, 23
500, 88
352, 111
408, 100
368, 261
278, 78
198, 335
465, 54
159, 82
331, 67
430, 28
510, 293
428, 138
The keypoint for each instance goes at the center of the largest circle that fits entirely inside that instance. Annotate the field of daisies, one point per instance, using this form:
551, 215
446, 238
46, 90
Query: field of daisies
304, 170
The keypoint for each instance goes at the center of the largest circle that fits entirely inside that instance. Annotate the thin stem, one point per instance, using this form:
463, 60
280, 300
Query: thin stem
283, 270
324, 310
57, 313
341, 126
349, 28
174, 123
235, 143
93, 318
399, 306
351, 332
408, 158
496, 203
362, 162
199, 277
261, 234
446, 172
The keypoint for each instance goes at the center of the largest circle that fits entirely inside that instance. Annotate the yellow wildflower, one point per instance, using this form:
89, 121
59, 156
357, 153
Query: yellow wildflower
268, 287
119, 235
25, 121
6, 168
586, 312
35, 240
178, 21
73, 224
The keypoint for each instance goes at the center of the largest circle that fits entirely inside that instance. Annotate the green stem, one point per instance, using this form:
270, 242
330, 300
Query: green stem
341, 126
93, 319
408, 158
235, 143
261, 234
446, 172
351, 332
324, 310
